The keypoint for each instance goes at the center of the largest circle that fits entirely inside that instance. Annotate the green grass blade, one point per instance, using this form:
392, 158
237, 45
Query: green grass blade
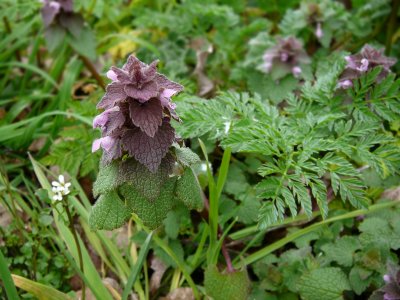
291, 237
223, 171
92, 277
7, 280
15, 130
39, 290
212, 195
32, 68
137, 267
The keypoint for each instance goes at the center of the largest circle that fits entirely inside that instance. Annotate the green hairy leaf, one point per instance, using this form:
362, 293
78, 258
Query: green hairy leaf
152, 212
324, 283
109, 212
221, 286
128, 187
188, 190
186, 156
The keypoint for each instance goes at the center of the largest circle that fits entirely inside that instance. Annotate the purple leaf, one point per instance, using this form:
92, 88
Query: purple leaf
114, 93
49, 11
122, 75
149, 150
150, 72
72, 22
147, 116
67, 5
143, 93
164, 82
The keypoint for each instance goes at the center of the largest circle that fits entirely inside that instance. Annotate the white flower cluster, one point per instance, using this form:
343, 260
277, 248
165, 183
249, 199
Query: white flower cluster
60, 188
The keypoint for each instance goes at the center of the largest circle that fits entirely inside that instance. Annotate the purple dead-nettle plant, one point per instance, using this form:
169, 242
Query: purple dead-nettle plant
391, 289
287, 56
361, 63
60, 15
145, 168
138, 111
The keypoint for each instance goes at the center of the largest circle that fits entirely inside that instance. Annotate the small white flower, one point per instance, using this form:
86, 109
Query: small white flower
60, 188
57, 197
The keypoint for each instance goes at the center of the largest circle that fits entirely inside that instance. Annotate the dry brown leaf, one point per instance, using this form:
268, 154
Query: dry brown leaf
159, 269
184, 293
203, 49
392, 194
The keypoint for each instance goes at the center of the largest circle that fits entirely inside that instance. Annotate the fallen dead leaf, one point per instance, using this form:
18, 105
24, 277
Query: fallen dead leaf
203, 49
184, 293
159, 269
392, 194
37, 144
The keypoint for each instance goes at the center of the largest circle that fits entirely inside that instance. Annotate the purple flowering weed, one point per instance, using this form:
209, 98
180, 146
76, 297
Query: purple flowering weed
137, 115
391, 290
362, 62
286, 56
60, 15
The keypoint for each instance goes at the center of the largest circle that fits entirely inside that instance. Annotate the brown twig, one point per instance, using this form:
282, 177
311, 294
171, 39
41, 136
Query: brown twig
9, 30
391, 25
78, 247
89, 65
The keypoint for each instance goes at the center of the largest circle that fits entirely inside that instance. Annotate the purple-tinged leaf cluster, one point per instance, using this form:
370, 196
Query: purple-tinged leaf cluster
137, 115
361, 63
287, 56
391, 290
59, 15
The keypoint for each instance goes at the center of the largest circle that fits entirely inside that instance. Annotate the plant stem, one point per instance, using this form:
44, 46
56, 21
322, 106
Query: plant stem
9, 31
78, 247
224, 249
228, 260
89, 65
391, 25
291, 237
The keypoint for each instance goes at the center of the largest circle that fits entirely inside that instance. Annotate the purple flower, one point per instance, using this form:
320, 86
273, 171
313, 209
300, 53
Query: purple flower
360, 63
318, 31
137, 114
286, 56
